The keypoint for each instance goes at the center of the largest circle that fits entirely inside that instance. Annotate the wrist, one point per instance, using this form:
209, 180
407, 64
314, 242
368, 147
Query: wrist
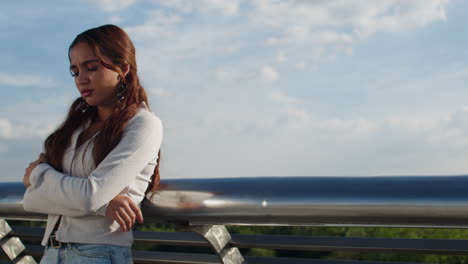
36, 171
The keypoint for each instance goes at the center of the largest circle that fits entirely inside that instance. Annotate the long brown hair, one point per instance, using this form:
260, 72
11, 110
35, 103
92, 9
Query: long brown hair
113, 47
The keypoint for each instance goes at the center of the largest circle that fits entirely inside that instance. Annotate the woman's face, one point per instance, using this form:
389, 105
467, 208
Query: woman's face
96, 83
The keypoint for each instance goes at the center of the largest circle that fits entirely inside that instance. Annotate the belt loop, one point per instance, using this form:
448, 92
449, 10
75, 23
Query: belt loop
54, 242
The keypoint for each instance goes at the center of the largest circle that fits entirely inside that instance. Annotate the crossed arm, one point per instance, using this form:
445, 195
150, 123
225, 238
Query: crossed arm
121, 208
52, 192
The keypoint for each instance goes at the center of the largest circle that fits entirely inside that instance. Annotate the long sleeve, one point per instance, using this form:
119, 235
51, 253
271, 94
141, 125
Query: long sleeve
52, 192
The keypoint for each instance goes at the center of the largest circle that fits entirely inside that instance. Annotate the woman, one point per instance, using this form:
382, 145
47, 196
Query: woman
101, 161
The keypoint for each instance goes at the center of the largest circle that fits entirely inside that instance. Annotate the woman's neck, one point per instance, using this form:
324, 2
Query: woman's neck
104, 113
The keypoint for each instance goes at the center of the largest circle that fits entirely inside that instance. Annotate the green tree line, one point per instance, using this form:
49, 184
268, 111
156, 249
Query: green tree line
416, 233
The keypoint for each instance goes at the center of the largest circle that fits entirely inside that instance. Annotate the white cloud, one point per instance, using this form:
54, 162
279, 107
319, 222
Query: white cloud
281, 57
268, 74
167, 39
33, 118
331, 21
359, 125
226, 7
232, 48
296, 117
300, 65
113, 5
290, 115
158, 26
158, 92
31, 129
223, 74
459, 72
6, 129
280, 97
399, 15
414, 124
448, 131
26, 79
453, 131
302, 34
309, 32
115, 19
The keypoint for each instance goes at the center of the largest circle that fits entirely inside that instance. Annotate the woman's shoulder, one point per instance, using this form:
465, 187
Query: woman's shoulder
145, 119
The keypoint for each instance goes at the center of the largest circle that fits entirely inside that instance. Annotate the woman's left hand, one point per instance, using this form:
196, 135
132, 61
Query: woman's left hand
125, 211
42, 159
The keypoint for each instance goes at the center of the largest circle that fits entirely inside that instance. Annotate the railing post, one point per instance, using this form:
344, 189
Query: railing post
219, 238
13, 246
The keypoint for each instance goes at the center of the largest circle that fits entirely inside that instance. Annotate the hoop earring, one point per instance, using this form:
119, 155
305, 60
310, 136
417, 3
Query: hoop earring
82, 106
122, 88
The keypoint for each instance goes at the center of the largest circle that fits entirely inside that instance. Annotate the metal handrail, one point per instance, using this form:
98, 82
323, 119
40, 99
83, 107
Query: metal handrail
412, 201
204, 206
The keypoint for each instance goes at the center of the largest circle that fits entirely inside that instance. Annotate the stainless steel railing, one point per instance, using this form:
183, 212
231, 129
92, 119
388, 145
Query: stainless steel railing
205, 205
420, 201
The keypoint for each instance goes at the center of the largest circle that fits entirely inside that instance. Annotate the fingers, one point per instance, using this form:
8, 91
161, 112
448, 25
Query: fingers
119, 220
123, 210
128, 217
32, 165
42, 158
27, 173
26, 180
132, 210
137, 211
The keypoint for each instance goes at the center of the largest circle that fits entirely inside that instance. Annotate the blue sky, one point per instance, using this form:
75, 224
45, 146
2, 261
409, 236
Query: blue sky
258, 87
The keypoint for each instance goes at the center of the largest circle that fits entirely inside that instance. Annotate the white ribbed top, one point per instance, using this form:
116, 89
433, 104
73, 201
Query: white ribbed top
81, 194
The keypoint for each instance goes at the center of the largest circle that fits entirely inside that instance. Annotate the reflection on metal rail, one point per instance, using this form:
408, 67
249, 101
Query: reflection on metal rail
388, 201
420, 201
407, 201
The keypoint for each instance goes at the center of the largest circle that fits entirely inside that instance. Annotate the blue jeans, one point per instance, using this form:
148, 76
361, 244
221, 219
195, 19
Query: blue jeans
74, 253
